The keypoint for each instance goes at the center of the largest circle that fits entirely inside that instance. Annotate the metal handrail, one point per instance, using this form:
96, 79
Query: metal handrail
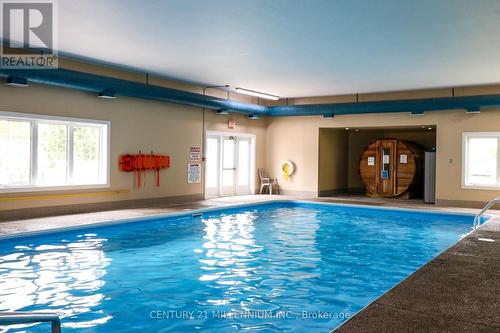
477, 218
11, 318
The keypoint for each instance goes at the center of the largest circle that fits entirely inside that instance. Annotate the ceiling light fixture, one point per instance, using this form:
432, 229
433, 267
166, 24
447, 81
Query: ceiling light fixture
417, 113
329, 115
222, 111
15, 81
108, 94
253, 116
473, 110
257, 94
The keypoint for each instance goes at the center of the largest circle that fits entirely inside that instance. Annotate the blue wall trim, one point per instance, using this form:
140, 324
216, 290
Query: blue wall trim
97, 83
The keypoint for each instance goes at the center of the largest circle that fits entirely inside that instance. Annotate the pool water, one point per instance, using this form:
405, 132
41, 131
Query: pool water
276, 267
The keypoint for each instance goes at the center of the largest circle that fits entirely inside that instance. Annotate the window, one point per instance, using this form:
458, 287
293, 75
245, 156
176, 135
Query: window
41, 152
480, 160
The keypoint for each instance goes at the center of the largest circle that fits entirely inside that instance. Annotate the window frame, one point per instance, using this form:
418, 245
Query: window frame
35, 119
465, 137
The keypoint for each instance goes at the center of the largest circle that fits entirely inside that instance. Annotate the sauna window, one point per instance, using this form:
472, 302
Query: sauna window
481, 160
384, 172
44, 153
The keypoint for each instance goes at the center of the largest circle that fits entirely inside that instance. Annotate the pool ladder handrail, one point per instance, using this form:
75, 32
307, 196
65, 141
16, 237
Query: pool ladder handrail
20, 317
477, 218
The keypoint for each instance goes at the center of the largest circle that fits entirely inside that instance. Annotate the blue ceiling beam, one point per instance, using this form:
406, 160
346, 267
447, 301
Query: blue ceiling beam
415, 106
97, 84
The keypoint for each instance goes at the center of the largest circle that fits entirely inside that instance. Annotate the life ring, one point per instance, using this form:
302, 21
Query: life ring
288, 169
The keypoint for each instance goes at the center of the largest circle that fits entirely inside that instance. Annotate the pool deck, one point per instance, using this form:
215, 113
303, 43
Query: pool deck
459, 291
11, 228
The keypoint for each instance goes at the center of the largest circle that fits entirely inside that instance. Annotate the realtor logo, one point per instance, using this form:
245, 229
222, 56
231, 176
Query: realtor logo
28, 34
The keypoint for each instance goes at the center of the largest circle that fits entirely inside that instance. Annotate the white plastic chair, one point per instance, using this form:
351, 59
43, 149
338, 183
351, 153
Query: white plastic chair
265, 180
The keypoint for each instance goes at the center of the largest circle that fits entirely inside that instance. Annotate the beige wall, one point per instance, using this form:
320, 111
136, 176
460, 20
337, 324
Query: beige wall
333, 158
295, 138
171, 129
136, 124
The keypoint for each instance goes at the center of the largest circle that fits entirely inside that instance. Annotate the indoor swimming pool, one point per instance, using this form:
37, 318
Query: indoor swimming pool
272, 267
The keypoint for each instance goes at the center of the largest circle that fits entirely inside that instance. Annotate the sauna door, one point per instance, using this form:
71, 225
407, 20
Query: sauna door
385, 178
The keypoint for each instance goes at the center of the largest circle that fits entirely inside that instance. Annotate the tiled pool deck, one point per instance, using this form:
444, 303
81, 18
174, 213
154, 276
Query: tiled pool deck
459, 291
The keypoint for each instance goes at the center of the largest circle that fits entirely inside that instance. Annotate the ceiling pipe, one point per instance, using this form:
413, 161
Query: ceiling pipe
414, 106
97, 84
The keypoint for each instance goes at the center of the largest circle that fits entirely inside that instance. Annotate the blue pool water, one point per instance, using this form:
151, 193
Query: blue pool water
278, 267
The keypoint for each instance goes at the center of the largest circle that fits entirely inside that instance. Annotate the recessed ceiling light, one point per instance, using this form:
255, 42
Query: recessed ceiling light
472, 110
257, 94
15, 81
347, 128
108, 94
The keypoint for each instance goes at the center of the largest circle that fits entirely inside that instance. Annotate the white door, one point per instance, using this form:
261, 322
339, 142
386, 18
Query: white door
244, 165
229, 157
229, 165
212, 165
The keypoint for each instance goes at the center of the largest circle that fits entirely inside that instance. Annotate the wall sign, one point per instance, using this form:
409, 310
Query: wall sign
403, 159
231, 123
371, 160
194, 173
385, 159
194, 153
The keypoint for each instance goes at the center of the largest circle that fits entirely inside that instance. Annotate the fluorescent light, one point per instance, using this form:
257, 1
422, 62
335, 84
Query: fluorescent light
15, 81
257, 94
222, 111
109, 94
253, 116
417, 113
328, 115
472, 110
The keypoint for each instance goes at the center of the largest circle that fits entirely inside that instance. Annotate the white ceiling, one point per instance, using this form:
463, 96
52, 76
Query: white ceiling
293, 48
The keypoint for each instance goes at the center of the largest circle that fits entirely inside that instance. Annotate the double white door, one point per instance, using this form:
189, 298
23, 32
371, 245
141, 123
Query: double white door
229, 165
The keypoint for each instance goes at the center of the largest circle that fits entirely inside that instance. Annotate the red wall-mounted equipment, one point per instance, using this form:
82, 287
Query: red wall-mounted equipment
140, 163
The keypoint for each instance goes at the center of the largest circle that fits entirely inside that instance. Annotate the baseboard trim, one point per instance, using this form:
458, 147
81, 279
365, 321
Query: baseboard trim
30, 213
295, 193
460, 203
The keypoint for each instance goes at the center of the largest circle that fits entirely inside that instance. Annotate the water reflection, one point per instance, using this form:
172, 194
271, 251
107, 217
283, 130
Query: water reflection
253, 268
229, 249
64, 278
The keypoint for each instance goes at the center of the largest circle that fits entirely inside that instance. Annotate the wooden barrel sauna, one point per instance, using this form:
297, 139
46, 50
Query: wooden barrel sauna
392, 168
